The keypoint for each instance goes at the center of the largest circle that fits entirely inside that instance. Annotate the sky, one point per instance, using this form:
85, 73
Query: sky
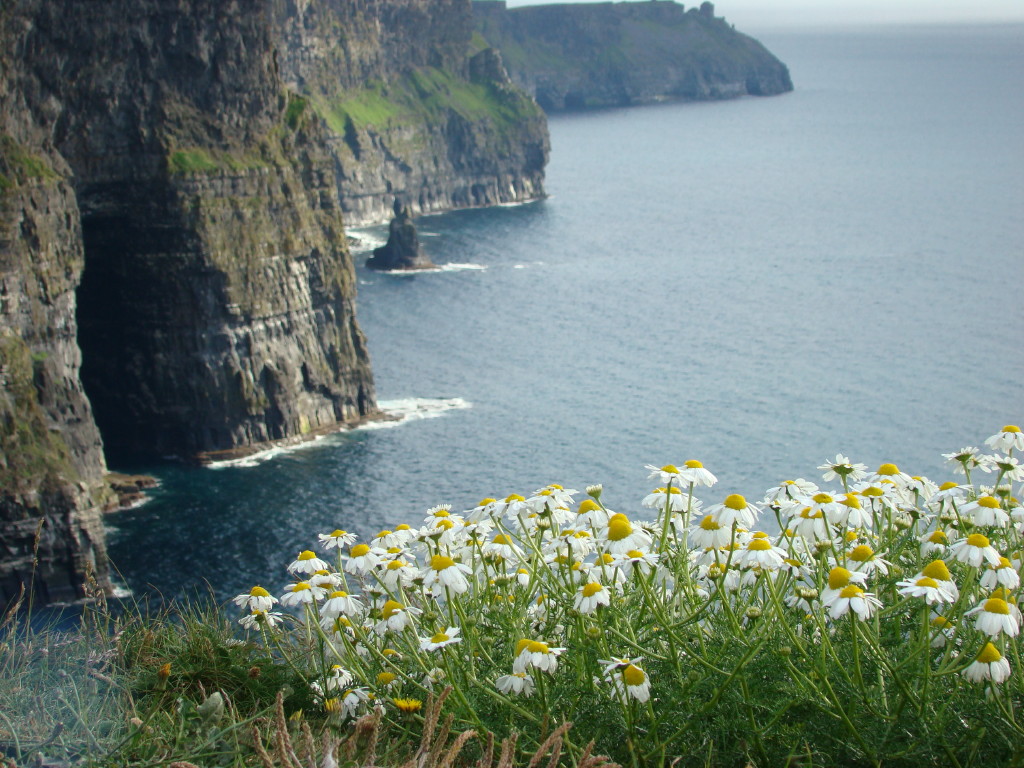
747, 14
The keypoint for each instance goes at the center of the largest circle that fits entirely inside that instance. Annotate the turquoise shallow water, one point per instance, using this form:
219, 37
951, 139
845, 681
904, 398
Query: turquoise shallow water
759, 284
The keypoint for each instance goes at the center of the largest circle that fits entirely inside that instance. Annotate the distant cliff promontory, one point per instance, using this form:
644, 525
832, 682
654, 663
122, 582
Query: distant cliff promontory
581, 55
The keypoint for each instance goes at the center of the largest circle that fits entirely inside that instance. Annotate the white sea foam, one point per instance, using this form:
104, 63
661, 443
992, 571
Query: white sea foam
450, 267
366, 240
396, 412
414, 408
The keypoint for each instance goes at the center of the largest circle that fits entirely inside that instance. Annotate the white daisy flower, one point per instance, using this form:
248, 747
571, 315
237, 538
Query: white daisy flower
840, 578
341, 603
518, 684
693, 472
301, 593
889, 471
591, 515
397, 573
635, 560
1007, 439
810, 523
1009, 467
656, 499
440, 640
994, 618
386, 539
307, 562
986, 512
667, 474
361, 560
395, 617
483, 510
734, 510
853, 598
988, 665
710, 534
348, 704
935, 541
760, 552
257, 619
924, 587
534, 654
965, 460
938, 570
628, 678
443, 572
843, 469
622, 536
256, 599
338, 678
1002, 575
862, 558
590, 596
503, 546
337, 538
790, 490
975, 550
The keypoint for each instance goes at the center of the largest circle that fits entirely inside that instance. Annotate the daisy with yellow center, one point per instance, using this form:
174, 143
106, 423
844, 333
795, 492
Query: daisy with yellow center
934, 541
986, 512
889, 471
336, 539
1002, 575
337, 678
535, 654
853, 598
395, 617
844, 469
667, 474
621, 535
256, 599
261, 619
397, 573
503, 546
439, 640
759, 552
734, 511
994, 618
975, 550
444, 573
362, 560
694, 472
809, 522
341, 603
301, 593
590, 596
635, 560
838, 579
708, 533
657, 499
306, 563
516, 684
628, 679
862, 558
927, 588
1009, 438
988, 665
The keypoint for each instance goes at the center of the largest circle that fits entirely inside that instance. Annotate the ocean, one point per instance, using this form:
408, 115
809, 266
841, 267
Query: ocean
759, 284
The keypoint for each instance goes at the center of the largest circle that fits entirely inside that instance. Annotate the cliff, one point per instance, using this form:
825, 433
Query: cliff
411, 113
174, 274
581, 55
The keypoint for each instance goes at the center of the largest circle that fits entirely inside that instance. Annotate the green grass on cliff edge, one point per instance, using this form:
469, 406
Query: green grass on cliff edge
426, 95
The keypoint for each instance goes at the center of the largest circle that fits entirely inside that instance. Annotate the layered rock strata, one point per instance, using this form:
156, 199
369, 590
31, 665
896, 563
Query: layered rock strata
582, 55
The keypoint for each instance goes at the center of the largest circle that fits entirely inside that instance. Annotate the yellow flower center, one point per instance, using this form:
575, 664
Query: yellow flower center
591, 589
408, 705
386, 677
307, 555
694, 464
513, 497
862, 553
938, 537
851, 501
501, 538
1003, 563
359, 550
988, 502
989, 654
924, 581
395, 564
619, 528
390, 607
822, 498
708, 524
440, 562
948, 485
838, 577
607, 559
995, 605
402, 527
735, 501
442, 513
1011, 428
338, 533
672, 468
936, 569
633, 675
851, 590
444, 525
634, 553
888, 469
759, 545
259, 592
941, 622
389, 652
588, 505
977, 540
536, 646
338, 593
872, 490
440, 637
485, 502
383, 533
302, 586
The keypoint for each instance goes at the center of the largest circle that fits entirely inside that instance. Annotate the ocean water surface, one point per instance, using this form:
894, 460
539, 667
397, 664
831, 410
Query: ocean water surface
758, 284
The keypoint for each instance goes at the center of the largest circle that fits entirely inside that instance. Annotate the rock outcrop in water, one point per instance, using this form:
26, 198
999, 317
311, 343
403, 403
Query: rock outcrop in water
581, 55
173, 177
402, 250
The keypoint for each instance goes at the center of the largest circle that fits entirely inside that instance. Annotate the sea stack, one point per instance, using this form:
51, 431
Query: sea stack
402, 250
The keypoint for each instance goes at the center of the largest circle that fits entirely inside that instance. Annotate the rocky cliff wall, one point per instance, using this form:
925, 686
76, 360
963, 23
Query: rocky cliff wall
51, 456
581, 55
414, 110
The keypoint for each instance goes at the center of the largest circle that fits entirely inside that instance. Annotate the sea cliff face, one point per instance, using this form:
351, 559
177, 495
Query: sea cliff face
174, 274
581, 55
413, 110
